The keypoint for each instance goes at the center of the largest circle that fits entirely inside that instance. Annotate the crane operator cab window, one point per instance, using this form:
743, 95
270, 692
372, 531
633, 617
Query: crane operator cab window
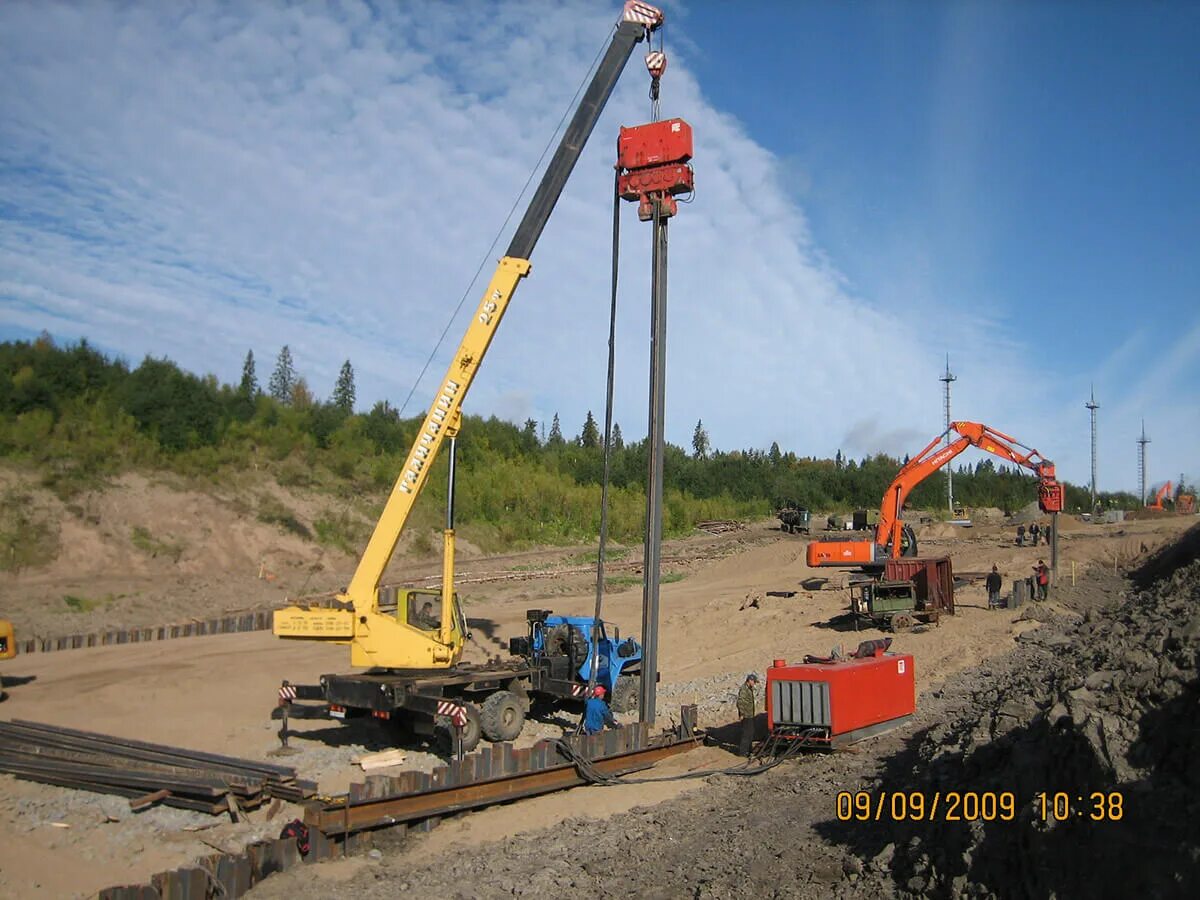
422, 613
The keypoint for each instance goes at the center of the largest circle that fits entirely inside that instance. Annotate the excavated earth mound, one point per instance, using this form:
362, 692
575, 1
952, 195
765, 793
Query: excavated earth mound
1110, 706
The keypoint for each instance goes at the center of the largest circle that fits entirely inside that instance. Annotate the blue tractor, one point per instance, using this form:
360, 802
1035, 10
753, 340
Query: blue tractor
558, 650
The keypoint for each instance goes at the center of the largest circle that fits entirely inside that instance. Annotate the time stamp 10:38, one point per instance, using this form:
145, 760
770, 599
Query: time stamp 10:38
971, 806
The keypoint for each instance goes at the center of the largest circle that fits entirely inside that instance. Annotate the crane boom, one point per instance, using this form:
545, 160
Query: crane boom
389, 640
890, 534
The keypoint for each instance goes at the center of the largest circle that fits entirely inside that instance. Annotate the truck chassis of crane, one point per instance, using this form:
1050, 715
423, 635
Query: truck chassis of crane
489, 700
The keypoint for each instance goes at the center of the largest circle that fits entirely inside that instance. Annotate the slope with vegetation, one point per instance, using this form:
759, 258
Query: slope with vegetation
72, 419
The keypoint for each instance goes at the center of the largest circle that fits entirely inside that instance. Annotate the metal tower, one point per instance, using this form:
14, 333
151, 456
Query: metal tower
947, 379
1092, 406
1142, 442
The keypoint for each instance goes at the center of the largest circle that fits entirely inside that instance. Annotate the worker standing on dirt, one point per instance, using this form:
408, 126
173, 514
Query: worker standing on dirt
1034, 531
596, 714
1042, 577
994, 583
745, 708
1020, 535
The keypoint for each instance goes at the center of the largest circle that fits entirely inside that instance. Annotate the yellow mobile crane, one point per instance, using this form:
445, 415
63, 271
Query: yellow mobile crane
413, 653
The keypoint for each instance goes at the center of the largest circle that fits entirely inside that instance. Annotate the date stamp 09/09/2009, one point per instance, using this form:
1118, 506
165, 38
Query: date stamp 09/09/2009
971, 806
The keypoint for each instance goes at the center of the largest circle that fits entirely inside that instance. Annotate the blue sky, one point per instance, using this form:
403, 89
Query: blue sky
878, 185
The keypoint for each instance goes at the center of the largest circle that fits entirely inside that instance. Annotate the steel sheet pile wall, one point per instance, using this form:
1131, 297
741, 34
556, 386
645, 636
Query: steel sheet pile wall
494, 774
230, 623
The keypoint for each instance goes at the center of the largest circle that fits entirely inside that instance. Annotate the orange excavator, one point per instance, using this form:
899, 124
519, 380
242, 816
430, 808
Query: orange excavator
1164, 491
893, 538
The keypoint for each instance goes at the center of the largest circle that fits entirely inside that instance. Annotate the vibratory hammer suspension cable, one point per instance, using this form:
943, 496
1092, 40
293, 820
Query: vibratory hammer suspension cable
656, 68
605, 477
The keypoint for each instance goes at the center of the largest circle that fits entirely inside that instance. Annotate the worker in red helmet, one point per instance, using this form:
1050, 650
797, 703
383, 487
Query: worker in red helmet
596, 714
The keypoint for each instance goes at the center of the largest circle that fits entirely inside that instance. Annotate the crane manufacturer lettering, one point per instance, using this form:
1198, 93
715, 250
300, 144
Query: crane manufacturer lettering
434, 423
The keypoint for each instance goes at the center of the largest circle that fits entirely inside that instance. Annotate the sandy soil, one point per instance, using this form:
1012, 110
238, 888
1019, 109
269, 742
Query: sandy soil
215, 693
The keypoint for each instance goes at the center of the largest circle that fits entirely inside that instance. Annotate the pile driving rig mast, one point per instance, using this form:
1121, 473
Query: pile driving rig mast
652, 166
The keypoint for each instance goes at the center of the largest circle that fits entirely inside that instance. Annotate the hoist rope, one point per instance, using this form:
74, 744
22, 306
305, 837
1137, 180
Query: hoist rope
606, 475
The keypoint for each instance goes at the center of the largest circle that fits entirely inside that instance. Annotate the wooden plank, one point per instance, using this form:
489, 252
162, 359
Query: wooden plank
146, 800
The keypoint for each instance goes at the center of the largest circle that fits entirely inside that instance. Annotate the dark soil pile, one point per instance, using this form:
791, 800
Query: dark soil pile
1108, 707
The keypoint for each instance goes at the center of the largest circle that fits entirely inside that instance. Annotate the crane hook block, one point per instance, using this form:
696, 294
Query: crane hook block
656, 64
642, 14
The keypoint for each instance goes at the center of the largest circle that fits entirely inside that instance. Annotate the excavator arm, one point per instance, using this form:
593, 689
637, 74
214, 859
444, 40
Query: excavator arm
385, 638
1163, 493
889, 532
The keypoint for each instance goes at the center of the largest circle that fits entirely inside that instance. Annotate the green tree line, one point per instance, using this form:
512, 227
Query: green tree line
81, 417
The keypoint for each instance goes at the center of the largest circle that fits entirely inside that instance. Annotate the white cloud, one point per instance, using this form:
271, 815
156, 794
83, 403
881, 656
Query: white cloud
198, 183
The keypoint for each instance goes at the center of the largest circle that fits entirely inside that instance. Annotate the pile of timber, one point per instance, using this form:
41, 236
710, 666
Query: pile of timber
719, 526
145, 773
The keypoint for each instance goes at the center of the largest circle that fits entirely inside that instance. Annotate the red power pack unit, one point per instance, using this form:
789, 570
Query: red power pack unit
838, 703
656, 144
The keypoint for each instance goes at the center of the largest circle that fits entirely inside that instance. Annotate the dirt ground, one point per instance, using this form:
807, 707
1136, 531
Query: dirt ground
215, 693
1095, 706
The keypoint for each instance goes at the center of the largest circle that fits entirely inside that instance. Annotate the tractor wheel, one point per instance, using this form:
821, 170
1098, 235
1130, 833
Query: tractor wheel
901, 622
626, 693
471, 732
503, 716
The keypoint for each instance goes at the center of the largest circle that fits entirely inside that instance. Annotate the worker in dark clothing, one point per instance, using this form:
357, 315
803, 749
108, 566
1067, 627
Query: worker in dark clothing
1020, 535
1042, 578
994, 583
425, 618
1034, 531
596, 714
745, 708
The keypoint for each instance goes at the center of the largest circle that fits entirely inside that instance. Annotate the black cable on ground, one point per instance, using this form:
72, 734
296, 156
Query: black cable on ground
589, 773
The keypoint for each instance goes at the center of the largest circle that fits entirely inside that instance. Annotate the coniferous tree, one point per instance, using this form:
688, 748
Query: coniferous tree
343, 391
618, 442
529, 436
700, 441
774, 454
556, 437
591, 432
283, 379
249, 385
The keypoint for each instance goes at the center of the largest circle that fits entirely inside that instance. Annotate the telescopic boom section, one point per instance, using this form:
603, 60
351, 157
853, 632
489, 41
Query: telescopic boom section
889, 531
386, 640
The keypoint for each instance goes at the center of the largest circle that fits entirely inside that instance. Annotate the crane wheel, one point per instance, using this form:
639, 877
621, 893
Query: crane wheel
502, 716
626, 692
471, 732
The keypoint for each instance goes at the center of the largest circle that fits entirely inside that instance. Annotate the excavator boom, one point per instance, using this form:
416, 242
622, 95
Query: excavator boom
1162, 494
400, 638
890, 534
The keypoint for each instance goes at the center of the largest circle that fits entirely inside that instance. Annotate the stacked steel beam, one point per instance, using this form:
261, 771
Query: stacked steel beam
145, 773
